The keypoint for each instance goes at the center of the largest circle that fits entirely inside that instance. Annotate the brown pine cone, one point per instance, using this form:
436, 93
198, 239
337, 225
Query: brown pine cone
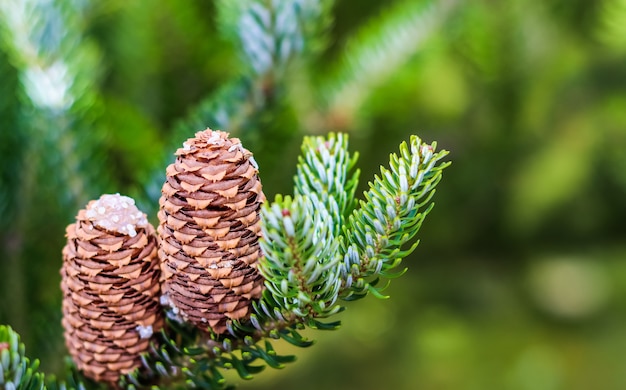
209, 230
110, 284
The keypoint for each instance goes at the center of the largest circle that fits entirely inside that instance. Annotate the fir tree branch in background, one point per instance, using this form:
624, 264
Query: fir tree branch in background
376, 51
271, 33
612, 30
56, 69
11, 143
12, 150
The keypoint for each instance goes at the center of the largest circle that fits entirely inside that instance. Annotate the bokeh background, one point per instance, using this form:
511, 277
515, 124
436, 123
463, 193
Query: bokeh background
520, 279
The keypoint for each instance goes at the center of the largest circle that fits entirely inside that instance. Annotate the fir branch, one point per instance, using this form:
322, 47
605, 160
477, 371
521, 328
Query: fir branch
378, 49
72, 379
312, 258
271, 33
325, 167
301, 254
17, 372
11, 144
56, 66
309, 264
389, 217
182, 357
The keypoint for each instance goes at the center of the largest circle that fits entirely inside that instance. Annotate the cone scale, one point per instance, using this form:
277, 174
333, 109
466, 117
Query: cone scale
110, 285
208, 232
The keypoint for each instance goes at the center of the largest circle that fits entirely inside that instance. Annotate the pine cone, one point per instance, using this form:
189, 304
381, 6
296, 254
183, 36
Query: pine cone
209, 230
110, 284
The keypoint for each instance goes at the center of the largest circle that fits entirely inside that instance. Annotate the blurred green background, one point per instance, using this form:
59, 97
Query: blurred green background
520, 280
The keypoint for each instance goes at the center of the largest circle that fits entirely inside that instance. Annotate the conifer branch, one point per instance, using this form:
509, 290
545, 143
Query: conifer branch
389, 217
271, 33
17, 372
306, 270
11, 143
56, 67
325, 167
301, 255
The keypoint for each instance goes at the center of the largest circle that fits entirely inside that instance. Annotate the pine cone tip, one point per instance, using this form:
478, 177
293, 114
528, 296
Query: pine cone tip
116, 213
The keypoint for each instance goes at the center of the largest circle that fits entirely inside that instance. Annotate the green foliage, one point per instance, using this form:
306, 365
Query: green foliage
271, 33
378, 49
326, 167
10, 142
612, 30
528, 94
16, 370
301, 255
389, 217
57, 71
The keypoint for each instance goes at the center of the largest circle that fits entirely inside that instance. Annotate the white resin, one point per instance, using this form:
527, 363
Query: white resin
215, 138
116, 213
173, 314
145, 332
254, 163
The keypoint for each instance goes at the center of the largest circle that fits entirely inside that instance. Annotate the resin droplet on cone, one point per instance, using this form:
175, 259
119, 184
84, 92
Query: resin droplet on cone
209, 230
110, 284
